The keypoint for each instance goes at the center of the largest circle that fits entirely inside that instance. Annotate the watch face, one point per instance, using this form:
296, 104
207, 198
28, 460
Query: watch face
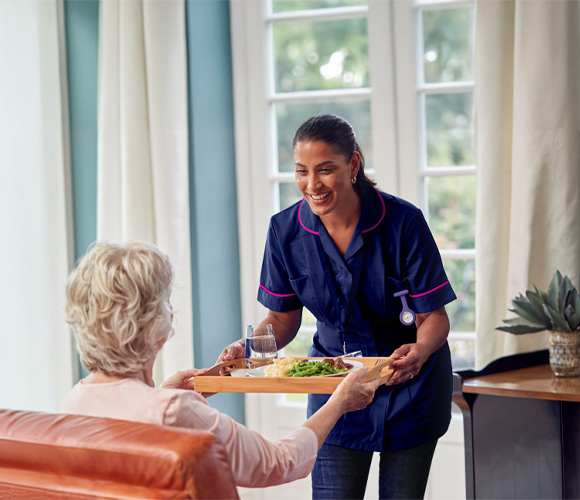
407, 317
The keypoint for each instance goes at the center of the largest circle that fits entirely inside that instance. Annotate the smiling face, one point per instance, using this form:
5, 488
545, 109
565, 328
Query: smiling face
324, 178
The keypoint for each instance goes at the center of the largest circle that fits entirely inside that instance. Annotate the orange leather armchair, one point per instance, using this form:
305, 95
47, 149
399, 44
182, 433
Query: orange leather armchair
49, 456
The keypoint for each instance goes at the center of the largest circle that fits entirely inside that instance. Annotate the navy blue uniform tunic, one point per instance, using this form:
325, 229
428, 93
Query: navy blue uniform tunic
392, 249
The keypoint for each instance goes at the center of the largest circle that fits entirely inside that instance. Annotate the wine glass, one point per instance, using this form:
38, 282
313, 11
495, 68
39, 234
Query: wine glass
260, 345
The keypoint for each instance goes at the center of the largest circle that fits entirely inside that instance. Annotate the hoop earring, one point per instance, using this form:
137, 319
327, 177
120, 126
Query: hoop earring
353, 180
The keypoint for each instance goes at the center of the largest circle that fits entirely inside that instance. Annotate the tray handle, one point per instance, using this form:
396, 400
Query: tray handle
214, 371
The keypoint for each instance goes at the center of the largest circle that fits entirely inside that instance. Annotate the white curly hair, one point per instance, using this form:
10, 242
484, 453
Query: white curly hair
117, 304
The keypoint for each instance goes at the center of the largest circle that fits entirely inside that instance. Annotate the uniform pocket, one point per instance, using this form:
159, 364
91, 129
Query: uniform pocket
392, 286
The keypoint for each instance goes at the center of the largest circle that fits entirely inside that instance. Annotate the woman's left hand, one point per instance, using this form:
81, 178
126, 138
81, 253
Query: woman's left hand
432, 331
182, 379
409, 359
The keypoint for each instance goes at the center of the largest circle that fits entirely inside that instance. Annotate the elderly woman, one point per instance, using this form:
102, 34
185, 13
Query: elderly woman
118, 307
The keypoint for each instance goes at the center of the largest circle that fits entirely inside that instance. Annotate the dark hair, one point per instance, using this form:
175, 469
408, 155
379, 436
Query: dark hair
338, 134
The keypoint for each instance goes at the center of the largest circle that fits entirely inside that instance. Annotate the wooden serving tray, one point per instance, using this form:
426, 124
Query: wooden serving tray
212, 382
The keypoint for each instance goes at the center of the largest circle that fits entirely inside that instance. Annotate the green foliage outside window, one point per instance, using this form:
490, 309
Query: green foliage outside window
321, 55
449, 127
451, 209
448, 45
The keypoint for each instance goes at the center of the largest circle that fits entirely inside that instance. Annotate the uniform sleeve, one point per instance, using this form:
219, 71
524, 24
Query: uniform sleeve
429, 286
255, 461
275, 291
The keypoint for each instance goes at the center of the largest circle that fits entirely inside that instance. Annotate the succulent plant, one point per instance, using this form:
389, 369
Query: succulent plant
558, 309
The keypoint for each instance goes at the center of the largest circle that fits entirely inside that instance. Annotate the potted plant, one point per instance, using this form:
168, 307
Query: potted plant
556, 310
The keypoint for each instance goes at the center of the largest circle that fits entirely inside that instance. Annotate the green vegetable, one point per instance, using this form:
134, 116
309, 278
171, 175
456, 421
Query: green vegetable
314, 369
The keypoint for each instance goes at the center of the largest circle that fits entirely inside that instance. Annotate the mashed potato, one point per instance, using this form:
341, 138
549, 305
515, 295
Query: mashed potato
281, 367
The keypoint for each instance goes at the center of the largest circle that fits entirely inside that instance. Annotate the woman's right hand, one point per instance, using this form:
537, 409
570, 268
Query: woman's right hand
354, 394
233, 351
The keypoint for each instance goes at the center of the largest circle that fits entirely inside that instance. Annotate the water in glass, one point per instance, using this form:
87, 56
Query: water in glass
260, 345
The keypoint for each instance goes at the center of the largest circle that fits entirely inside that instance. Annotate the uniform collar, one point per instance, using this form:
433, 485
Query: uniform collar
372, 212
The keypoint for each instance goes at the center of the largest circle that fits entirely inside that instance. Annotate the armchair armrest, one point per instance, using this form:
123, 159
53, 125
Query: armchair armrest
73, 456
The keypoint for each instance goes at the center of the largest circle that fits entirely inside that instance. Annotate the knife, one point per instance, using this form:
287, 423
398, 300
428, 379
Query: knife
237, 363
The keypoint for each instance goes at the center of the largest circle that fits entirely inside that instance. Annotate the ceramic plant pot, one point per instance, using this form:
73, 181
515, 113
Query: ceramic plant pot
565, 353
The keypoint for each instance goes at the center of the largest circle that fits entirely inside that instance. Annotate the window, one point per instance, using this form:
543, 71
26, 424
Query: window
402, 74
444, 92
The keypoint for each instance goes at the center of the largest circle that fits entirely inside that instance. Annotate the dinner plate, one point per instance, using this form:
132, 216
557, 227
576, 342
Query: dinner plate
259, 372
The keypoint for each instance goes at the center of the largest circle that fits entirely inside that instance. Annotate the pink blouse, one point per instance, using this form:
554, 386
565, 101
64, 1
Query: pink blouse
255, 461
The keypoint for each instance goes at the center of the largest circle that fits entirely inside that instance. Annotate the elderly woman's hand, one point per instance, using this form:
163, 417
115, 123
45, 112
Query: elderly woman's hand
182, 379
353, 393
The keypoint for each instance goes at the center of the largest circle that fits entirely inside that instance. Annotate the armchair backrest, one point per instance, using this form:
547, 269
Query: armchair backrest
77, 457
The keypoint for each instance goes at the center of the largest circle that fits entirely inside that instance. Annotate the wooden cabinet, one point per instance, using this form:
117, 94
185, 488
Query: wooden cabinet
521, 428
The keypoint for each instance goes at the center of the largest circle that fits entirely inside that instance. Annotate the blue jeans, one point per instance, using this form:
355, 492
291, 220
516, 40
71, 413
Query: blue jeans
340, 473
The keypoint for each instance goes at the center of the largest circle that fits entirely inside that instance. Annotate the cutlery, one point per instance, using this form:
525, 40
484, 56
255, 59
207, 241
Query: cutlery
375, 371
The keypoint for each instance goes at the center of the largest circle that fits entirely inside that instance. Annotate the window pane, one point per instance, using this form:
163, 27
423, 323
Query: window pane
448, 45
303, 340
287, 5
289, 194
461, 312
321, 55
449, 128
451, 210
462, 354
308, 318
290, 116
299, 346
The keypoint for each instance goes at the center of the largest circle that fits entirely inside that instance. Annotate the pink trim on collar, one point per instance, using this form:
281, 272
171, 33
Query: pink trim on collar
300, 220
276, 294
382, 215
430, 291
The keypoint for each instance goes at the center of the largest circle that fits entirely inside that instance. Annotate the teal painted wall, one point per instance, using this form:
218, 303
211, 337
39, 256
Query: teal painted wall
214, 226
82, 38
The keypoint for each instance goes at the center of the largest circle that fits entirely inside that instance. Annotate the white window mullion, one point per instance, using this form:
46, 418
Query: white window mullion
252, 160
327, 14
445, 88
419, 43
442, 4
445, 171
458, 254
321, 95
383, 105
408, 117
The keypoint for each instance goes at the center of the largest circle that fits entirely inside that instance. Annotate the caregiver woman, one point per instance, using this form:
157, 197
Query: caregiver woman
343, 252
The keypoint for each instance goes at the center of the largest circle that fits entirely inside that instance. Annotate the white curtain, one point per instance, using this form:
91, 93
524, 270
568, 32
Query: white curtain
528, 123
143, 190
36, 356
